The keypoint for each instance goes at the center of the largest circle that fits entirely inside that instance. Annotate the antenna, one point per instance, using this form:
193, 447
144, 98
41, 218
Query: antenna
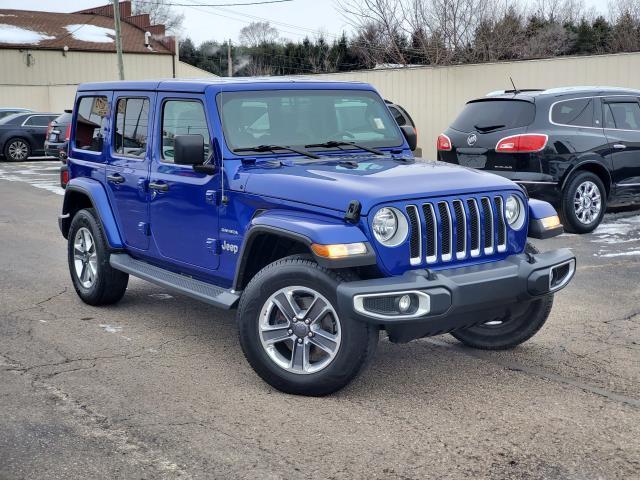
515, 90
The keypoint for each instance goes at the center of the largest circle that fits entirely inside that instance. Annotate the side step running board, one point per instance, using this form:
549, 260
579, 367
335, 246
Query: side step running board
197, 289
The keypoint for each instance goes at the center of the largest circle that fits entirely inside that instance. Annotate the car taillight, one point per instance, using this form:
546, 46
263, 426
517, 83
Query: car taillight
525, 143
444, 143
64, 176
67, 133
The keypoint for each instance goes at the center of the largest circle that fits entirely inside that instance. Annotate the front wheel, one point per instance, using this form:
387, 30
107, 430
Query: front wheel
511, 330
292, 333
17, 150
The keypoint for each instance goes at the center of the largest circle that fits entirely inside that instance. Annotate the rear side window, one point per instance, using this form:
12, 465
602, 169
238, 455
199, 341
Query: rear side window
91, 123
132, 121
182, 117
622, 116
493, 115
38, 120
578, 112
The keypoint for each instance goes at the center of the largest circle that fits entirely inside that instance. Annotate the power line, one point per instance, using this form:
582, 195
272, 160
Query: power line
170, 4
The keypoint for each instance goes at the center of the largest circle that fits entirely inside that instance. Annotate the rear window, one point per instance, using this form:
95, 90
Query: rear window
578, 112
64, 118
493, 115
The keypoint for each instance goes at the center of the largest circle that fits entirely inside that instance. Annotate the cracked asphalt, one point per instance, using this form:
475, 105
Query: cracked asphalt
157, 386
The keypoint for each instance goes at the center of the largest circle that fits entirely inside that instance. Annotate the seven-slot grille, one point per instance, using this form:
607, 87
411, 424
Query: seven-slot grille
456, 229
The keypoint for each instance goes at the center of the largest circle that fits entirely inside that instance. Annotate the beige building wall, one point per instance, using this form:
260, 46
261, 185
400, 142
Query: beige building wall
47, 80
433, 96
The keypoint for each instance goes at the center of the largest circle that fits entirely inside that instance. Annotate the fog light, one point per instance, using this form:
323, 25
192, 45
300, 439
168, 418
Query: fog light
404, 303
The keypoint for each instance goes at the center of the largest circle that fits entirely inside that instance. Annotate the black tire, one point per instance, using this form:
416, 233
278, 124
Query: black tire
513, 330
110, 284
10, 154
358, 340
568, 213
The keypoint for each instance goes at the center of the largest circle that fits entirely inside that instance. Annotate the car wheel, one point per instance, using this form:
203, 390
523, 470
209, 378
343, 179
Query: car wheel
17, 150
95, 281
292, 333
583, 203
510, 330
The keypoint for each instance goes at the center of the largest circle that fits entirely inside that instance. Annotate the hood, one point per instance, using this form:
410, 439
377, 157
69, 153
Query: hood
374, 181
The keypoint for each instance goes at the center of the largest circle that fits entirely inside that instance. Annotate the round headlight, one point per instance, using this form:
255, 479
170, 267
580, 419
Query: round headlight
389, 226
514, 212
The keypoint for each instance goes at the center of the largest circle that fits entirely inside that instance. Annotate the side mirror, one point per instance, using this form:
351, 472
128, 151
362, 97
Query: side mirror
188, 150
410, 135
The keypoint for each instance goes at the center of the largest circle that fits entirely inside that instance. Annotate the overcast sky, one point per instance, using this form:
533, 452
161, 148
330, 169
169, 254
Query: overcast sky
293, 19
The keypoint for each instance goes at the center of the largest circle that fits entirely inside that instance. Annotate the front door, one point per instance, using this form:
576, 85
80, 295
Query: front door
127, 170
183, 203
622, 128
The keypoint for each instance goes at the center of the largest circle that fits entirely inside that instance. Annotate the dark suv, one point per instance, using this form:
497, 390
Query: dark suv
576, 147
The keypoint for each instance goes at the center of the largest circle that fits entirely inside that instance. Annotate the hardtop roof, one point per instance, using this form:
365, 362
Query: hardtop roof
222, 83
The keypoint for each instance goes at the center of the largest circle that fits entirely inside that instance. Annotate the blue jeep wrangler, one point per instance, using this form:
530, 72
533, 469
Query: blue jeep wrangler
300, 204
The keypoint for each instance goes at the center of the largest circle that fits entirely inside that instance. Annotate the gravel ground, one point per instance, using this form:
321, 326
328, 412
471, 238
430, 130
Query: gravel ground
157, 387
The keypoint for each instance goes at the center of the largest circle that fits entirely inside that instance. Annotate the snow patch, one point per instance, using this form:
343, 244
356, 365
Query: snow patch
91, 33
621, 254
161, 296
110, 328
19, 36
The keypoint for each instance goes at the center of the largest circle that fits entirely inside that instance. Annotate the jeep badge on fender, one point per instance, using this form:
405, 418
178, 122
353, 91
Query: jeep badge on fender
299, 204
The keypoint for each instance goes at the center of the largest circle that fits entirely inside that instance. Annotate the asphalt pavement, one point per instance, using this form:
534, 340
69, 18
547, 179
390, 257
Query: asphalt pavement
157, 386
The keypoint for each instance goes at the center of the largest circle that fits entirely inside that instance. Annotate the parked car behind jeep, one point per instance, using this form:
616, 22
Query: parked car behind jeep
22, 135
57, 137
576, 147
300, 204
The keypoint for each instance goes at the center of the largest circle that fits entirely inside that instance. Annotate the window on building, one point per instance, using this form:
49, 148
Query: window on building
91, 123
578, 112
622, 115
132, 121
183, 117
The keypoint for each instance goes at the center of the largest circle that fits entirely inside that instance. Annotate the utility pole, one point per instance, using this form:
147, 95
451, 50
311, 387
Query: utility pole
229, 60
116, 19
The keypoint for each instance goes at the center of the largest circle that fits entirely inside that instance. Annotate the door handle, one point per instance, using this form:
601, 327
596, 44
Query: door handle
162, 187
116, 178
619, 146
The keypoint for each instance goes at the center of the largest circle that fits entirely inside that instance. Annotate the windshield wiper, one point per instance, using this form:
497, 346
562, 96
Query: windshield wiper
274, 148
488, 128
338, 144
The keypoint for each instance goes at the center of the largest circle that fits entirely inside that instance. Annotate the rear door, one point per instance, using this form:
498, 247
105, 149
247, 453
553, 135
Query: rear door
36, 126
128, 164
482, 123
621, 117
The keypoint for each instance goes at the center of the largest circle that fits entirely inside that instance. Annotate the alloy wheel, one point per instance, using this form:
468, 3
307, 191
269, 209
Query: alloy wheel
299, 330
587, 202
18, 150
85, 258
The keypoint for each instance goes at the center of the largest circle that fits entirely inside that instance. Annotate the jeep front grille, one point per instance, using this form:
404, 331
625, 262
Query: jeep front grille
456, 229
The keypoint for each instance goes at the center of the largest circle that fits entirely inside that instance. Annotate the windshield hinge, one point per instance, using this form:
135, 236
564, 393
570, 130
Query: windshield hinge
352, 215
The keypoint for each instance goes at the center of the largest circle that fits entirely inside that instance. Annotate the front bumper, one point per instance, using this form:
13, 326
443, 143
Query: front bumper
447, 300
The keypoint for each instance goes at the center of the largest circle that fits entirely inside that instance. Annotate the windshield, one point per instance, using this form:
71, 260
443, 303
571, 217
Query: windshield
297, 118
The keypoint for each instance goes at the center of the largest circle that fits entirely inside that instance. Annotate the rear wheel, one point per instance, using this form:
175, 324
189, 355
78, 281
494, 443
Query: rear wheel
17, 150
95, 281
583, 203
292, 333
511, 330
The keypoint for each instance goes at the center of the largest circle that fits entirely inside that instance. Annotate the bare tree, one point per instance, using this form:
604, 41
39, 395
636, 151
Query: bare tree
160, 13
258, 33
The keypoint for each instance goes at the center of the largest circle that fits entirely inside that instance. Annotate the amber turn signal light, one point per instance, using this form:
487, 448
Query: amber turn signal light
339, 250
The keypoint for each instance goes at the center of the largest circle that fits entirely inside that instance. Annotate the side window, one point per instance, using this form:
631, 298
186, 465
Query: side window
132, 121
183, 117
400, 120
37, 121
622, 116
91, 122
578, 112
